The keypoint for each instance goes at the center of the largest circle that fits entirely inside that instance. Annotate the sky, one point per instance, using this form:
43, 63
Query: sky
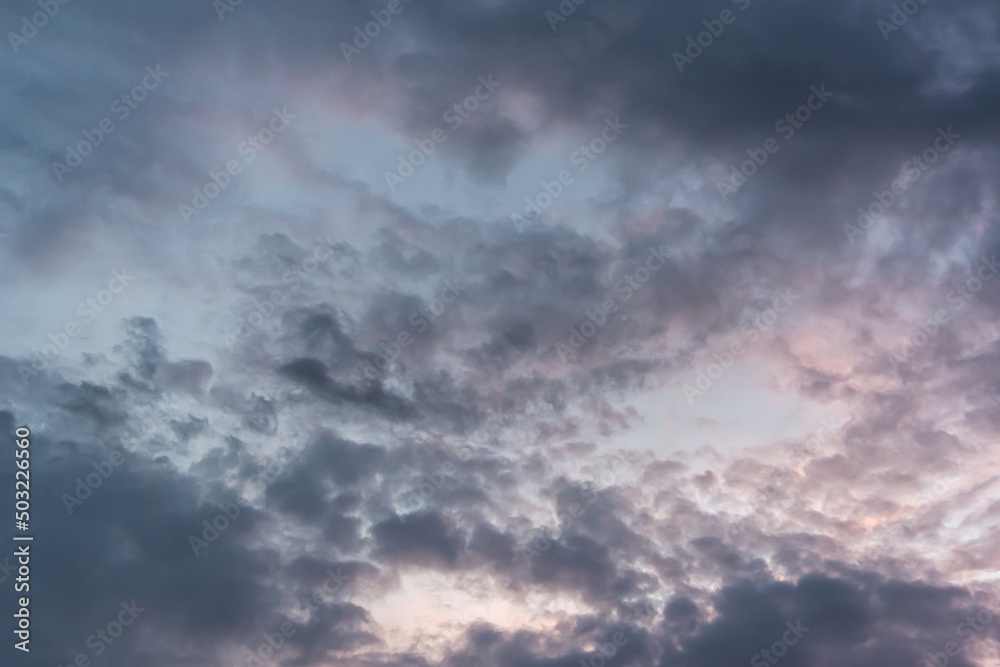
500, 333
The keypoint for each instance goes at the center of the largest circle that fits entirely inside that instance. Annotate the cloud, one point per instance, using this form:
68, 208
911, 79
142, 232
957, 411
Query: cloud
260, 361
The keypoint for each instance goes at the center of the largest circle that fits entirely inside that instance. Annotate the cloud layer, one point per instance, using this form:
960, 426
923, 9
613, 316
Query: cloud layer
504, 333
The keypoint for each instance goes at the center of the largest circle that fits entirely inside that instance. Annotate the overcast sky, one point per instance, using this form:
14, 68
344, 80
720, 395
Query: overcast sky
503, 333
